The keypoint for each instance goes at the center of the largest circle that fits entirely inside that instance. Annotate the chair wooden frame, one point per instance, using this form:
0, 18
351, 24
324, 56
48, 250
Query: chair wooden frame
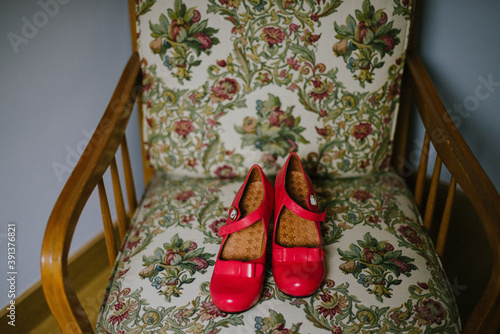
454, 153
86, 176
99, 155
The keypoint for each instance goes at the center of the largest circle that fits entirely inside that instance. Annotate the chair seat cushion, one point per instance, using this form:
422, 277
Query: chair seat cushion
383, 274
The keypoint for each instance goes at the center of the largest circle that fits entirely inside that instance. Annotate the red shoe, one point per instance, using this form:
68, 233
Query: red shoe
238, 276
298, 257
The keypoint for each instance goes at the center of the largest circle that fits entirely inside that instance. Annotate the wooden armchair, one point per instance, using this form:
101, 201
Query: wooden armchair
334, 308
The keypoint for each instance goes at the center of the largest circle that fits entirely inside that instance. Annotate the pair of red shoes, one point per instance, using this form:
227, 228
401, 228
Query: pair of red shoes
298, 258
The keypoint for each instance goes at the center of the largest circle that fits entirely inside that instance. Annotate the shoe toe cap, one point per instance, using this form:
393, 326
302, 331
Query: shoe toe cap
302, 279
232, 295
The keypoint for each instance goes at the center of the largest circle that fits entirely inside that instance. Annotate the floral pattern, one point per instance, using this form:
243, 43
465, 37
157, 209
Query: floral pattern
167, 269
176, 39
229, 55
375, 264
274, 130
370, 35
383, 272
403, 7
274, 324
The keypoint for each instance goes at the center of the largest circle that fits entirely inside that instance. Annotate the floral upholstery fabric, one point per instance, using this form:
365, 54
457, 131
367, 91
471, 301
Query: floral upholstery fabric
383, 275
230, 83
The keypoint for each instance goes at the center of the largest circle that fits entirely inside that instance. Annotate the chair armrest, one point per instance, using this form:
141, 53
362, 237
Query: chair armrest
466, 170
88, 172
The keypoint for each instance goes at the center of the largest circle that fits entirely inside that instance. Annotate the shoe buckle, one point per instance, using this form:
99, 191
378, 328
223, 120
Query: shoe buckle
233, 213
312, 200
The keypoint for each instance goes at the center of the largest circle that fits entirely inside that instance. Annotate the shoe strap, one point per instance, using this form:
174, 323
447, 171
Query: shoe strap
301, 212
298, 254
244, 222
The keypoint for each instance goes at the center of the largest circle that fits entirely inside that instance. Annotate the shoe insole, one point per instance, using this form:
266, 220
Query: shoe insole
249, 243
293, 230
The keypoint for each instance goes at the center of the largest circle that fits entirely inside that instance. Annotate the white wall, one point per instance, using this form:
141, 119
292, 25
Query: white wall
55, 88
460, 45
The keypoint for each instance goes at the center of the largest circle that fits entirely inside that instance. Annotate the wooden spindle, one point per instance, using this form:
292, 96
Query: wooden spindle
129, 177
431, 199
445, 220
107, 221
121, 212
422, 172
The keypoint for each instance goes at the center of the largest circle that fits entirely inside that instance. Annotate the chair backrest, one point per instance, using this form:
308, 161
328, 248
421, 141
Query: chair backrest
230, 83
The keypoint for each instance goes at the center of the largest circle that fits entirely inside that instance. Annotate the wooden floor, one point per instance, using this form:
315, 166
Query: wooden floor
91, 297
89, 272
